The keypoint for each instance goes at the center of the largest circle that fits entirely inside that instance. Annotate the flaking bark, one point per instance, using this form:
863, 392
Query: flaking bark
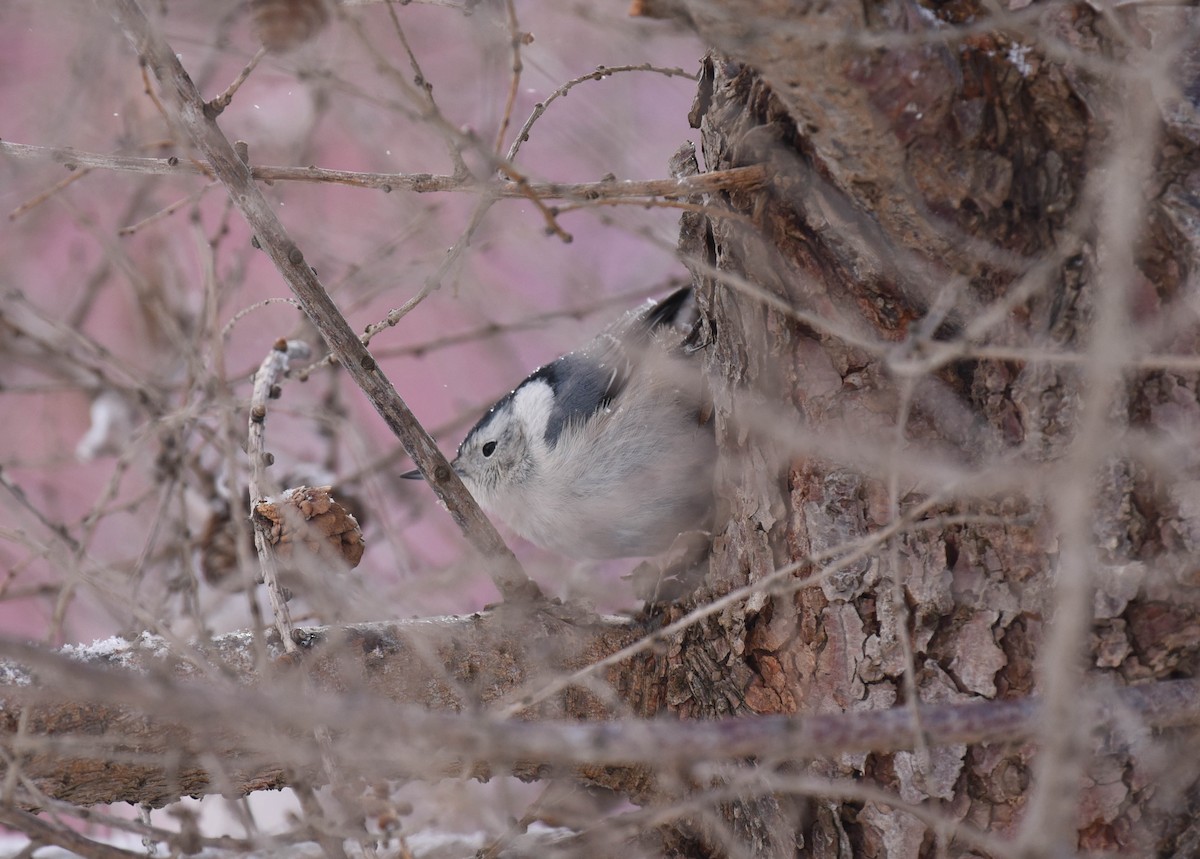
920, 180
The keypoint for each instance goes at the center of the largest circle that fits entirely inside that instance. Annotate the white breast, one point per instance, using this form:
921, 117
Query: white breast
595, 499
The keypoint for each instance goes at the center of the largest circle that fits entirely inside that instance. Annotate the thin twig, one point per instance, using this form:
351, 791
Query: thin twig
899, 609
218, 104
736, 178
258, 305
266, 386
1052, 826
228, 432
150, 94
514, 81
600, 73
169, 210
457, 138
331, 845
434, 281
62, 836
422, 92
535, 320
60, 531
36, 200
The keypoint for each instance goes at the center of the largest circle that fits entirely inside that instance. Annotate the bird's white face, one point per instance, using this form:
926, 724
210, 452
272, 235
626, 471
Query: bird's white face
500, 454
490, 456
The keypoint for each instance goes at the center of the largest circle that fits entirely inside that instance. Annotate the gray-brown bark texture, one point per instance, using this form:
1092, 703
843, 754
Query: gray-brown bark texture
941, 188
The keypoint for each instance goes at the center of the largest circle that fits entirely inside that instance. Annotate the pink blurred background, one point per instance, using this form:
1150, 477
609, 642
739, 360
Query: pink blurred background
69, 78
110, 544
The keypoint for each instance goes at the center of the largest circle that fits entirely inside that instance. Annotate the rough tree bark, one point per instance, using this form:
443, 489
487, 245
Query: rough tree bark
937, 194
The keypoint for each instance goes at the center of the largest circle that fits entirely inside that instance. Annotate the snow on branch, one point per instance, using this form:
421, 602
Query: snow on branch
137, 722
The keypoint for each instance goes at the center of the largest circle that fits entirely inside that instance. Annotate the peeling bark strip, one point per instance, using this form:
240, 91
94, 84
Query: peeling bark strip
139, 725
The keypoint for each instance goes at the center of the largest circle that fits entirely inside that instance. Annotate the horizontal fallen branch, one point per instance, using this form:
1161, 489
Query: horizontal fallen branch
141, 723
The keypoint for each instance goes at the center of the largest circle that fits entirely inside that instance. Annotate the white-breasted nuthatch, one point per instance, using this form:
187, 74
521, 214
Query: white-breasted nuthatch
602, 453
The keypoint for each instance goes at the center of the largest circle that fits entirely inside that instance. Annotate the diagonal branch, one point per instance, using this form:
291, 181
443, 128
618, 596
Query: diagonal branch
181, 97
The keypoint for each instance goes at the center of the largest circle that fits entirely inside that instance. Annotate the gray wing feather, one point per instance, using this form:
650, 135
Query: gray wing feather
586, 381
581, 386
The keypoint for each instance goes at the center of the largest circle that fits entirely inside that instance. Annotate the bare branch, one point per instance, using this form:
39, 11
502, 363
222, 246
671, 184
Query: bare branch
172, 730
266, 387
193, 116
41, 831
738, 178
159, 728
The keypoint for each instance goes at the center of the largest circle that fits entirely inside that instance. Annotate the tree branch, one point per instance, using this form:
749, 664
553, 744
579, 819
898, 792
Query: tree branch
739, 178
68, 839
194, 117
136, 723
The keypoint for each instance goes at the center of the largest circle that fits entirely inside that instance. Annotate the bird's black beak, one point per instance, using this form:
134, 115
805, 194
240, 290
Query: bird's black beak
413, 475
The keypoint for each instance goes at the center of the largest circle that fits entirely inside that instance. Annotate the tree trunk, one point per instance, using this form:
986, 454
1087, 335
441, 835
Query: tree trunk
949, 310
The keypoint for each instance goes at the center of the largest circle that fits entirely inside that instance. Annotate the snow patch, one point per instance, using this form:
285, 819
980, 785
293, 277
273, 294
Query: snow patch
1018, 55
101, 648
116, 650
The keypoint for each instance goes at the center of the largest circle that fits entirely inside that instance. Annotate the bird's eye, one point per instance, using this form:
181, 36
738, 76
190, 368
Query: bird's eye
489, 448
